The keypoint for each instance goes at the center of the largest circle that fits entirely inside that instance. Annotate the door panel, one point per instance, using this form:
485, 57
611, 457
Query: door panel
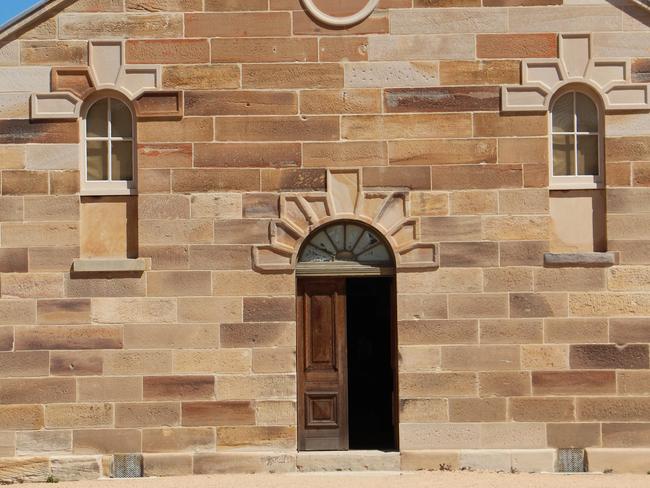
322, 365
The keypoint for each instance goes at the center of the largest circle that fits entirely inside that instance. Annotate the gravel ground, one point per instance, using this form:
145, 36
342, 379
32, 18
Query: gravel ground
374, 480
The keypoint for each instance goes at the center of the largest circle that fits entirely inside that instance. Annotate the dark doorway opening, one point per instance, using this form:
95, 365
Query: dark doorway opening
370, 357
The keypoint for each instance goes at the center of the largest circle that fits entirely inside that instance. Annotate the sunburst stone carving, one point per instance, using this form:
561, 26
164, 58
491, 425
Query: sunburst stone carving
541, 78
387, 212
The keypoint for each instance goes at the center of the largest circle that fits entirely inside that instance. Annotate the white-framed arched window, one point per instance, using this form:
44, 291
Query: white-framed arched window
576, 141
109, 147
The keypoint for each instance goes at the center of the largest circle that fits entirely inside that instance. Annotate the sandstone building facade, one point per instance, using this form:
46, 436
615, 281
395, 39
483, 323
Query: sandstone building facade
236, 234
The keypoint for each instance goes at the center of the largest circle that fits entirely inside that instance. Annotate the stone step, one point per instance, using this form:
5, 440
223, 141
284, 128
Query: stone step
348, 461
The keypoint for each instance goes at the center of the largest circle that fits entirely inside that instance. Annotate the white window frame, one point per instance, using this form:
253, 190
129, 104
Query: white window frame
108, 187
577, 182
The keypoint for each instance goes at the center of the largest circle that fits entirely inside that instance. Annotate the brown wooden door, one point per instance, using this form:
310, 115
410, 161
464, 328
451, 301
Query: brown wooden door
322, 365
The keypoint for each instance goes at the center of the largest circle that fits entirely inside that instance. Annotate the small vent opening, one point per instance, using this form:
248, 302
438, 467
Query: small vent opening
571, 460
127, 466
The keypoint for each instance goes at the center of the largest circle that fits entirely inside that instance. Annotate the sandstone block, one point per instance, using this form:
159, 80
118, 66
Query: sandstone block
147, 414
96, 285
264, 50
243, 462
6, 338
345, 153
426, 385
21, 417
79, 415
430, 460
530, 305
221, 361
522, 253
260, 436
516, 46
473, 202
391, 73
76, 468
421, 307
541, 409
476, 177
576, 330
343, 49
32, 285
164, 155
191, 129
178, 283
249, 283
410, 21
178, 387
316, 128
210, 310
478, 306
513, 331
222, 155
347, 461
479, 72
451, 228
443, 99
573, 382
216, 180
412, 47
508, 279
600, 304
632, 382
275, 413
201, 77
544, 357
504, 383
118, 25
303, 24
178, 439
613, 409
17, 312
477, 409
66, 337
420, 332
256, 387
170, 336
76, 363
24, 182
36, 363
281, 180
419, 359
469, 254
453, 151
41, 234
444, 280
137, 362
274, 360
573, 435
53, 53
524, 435
43, 442
423, 410
218, 413
303, 75
609, 356
106, 441
167, 464
351, 101
253, 24
176, 51
439, 436
480, 358
24, 470
429, 203
133, 310
618, 460
109, 389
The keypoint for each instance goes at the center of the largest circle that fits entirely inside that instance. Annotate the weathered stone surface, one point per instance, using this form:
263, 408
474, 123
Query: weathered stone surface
451, 99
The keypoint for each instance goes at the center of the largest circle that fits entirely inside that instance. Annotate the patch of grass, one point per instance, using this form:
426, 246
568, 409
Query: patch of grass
52, 479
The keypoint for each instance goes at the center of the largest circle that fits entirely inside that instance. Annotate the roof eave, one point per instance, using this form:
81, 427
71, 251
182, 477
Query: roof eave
30, 16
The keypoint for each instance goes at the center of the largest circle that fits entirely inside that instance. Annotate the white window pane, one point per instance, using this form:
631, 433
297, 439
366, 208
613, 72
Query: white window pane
321, 241
563, 155
586, 113
378, 254
122, 161
121, 121
97, 120
97, 157
588, 155
563, 114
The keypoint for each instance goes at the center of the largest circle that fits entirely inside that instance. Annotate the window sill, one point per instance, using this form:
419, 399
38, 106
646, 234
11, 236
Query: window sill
109, 265
108, 192
581, 259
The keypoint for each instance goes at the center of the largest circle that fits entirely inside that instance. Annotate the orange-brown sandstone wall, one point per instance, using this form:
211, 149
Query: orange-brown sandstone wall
193, 360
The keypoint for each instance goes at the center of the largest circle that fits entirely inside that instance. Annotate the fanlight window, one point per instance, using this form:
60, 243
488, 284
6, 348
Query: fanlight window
576, 140
346, 243
109, 146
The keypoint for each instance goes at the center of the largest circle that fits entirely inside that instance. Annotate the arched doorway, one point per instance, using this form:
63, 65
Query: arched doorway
346, 361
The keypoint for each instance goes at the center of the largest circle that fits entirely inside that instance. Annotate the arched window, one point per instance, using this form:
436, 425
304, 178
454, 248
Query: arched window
347, 247
109, 148
576, 140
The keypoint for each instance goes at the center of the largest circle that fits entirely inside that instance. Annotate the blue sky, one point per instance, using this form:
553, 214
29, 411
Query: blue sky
11, 8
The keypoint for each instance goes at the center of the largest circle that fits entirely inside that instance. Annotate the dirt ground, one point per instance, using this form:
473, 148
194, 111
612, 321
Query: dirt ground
374, 480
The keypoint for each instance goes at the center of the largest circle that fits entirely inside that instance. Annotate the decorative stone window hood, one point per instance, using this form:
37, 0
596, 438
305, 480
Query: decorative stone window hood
346, 199
107, 70
609, 77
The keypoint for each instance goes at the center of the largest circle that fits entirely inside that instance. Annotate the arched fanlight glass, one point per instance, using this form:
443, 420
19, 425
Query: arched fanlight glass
346, 242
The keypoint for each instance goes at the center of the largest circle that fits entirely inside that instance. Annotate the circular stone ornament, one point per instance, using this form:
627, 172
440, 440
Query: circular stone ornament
340, 21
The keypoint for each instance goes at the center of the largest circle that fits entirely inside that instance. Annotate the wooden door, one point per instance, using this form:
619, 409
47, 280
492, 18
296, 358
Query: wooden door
322, 365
